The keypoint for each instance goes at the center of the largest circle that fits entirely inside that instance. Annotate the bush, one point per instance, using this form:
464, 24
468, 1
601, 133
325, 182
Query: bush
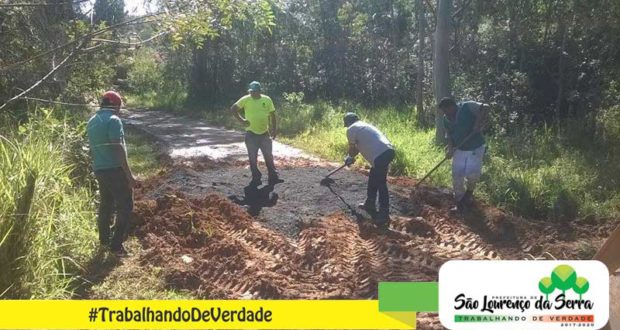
610, 123
47, 227
145, 74
153, 83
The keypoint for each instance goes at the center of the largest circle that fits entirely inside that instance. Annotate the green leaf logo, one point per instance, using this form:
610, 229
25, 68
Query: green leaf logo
564, 277
546, 286
581, 286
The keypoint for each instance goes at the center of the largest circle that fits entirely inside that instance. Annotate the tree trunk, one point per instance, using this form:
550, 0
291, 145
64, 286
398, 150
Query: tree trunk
419, 88
441, 64
560, 96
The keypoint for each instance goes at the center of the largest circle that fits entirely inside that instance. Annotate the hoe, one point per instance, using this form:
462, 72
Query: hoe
326, 181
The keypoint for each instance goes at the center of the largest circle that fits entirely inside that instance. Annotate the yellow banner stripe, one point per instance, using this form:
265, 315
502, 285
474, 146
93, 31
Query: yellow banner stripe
200, 314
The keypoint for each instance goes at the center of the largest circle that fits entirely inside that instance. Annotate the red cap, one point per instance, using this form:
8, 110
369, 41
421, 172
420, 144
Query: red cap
112, 97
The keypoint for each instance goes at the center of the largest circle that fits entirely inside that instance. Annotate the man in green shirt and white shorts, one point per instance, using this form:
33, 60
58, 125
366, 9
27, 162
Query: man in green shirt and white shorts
259, 119
466, 145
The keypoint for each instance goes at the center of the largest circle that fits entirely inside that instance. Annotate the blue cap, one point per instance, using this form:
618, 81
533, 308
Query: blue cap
254, 86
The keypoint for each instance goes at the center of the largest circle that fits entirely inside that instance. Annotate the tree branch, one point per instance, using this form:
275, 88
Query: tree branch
58, 102
68, 104
463, 7
131, 43
49, 74
31, 4
76, 40
92, 47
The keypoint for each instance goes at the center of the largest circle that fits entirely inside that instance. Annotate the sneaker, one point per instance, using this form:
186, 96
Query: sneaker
367, 207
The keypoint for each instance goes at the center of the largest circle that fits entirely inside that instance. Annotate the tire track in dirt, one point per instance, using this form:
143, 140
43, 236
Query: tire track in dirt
215, 249
231, 256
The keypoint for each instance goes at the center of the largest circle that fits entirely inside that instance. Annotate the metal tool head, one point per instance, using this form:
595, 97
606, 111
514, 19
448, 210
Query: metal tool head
327, 181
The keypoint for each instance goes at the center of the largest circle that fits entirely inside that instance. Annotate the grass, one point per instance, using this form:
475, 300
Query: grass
48, 204
142, 154
535, 172
415, 151
46, 217
153, 100
133, 280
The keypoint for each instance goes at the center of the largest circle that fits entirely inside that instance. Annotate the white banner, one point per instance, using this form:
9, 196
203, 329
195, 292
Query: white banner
531, 295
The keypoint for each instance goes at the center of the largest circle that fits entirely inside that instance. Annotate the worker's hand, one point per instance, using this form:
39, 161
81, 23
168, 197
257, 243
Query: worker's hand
348, 161
273, 134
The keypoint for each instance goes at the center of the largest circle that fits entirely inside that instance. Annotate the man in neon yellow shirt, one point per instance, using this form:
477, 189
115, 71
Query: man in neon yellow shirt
259, 119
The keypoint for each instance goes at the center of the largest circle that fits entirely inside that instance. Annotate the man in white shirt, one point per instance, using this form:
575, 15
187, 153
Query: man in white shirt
379, 152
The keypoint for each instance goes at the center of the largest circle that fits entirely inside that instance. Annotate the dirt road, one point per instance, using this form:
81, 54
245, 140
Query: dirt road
216, 238
187, 138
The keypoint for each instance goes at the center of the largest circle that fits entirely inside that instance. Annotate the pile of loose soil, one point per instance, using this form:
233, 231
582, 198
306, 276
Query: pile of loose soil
212, 247
308, 245
533, 239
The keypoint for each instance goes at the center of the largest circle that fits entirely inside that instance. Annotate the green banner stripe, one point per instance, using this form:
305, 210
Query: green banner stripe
408, 296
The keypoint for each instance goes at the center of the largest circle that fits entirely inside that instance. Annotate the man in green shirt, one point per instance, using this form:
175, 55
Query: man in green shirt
109, 160
259, 119
463, 123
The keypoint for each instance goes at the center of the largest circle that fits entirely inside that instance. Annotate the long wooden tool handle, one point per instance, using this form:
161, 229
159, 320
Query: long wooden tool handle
431, 171
443, 160
336, 170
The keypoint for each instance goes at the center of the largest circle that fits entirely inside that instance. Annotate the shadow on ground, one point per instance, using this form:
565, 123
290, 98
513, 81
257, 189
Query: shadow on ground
299, 199
95, 272
256, 198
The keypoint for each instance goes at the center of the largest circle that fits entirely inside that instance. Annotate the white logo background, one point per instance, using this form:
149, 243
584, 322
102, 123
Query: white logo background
477, 278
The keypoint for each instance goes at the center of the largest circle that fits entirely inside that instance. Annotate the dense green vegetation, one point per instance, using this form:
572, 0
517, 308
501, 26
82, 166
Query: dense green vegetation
47, 203
535, 62
46, 206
